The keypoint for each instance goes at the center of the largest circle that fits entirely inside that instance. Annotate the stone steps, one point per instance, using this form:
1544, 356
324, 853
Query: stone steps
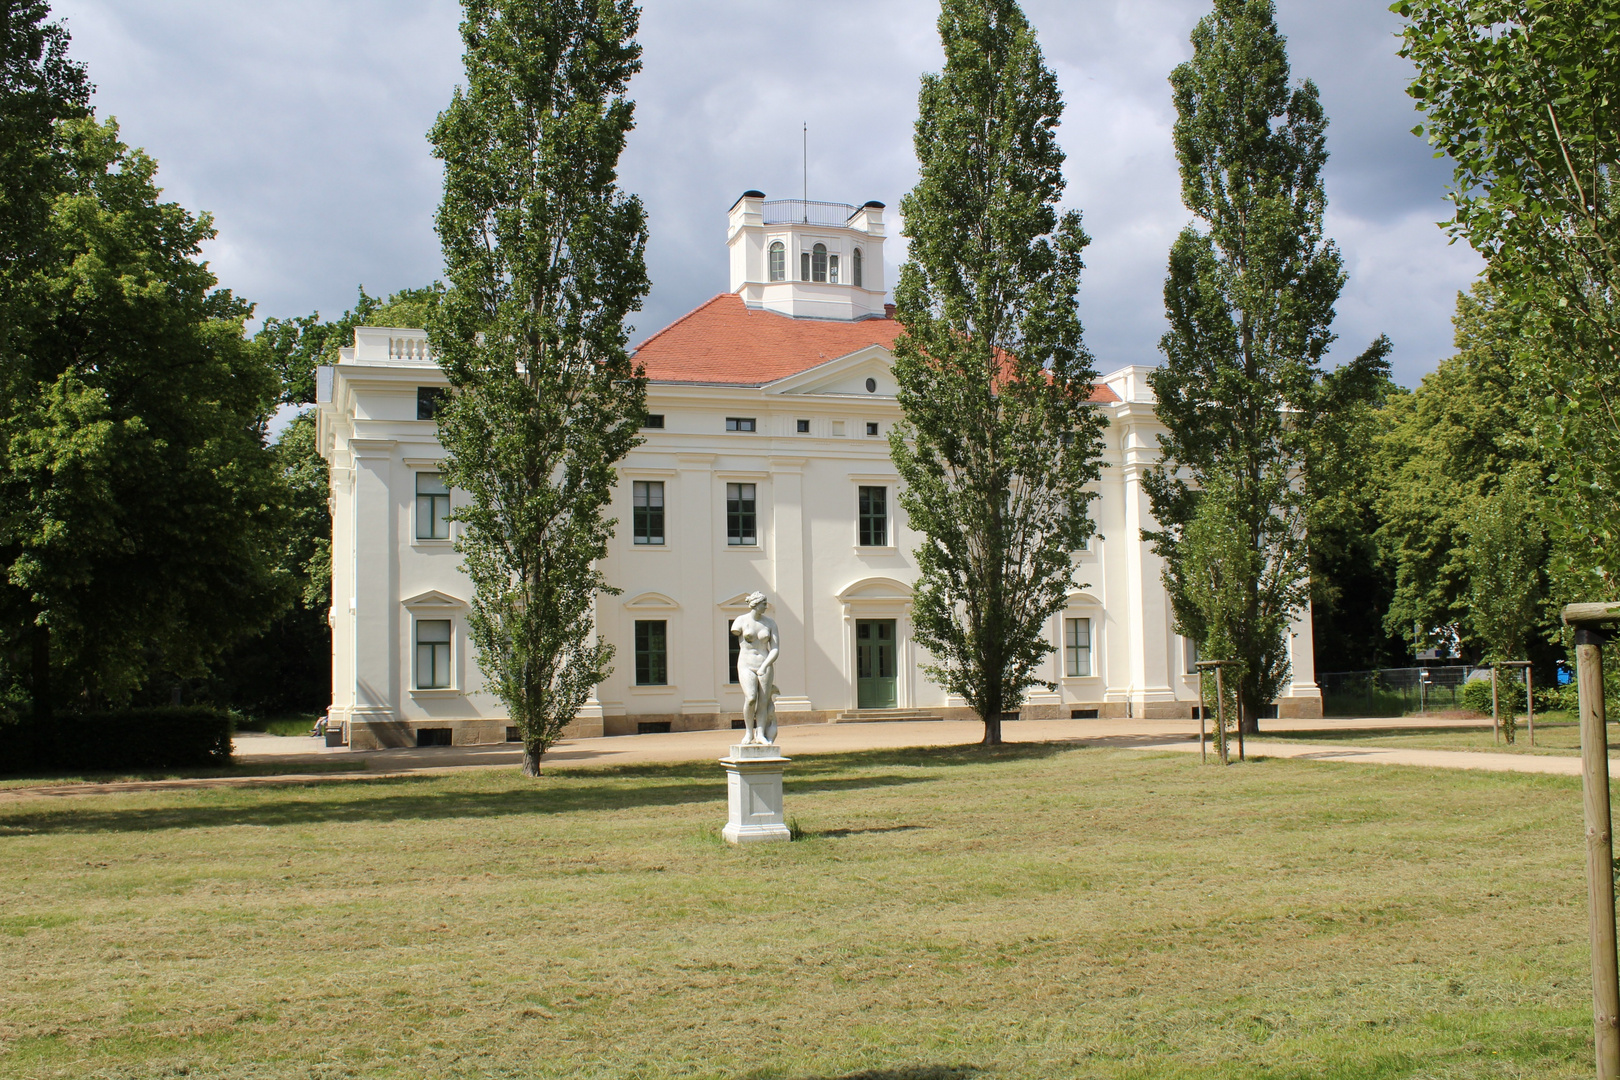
883, 716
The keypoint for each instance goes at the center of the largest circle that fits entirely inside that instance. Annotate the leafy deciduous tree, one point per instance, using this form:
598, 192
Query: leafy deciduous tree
998, 442
1249, 297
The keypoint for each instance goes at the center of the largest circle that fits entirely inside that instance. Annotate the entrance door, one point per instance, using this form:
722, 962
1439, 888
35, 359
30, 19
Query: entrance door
874, 664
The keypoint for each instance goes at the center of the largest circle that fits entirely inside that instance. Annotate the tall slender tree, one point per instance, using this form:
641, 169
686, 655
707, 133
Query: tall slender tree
545, 259
999, 442
1249, 298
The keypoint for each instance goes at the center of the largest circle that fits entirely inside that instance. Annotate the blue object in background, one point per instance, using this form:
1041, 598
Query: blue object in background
1564, 675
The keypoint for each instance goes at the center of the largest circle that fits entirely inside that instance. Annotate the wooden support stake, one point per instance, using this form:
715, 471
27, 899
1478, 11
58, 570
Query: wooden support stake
1599, 851
1496, 722
1203, 707
1529, 704
1220, 716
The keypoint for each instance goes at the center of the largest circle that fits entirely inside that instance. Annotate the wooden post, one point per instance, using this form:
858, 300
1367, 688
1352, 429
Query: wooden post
1529, 703
1203, 756
1496, 723
1588, 620
1220, 717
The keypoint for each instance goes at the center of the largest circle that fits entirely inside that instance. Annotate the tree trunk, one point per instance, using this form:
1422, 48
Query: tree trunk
531, 758
1249, 718
40, 688
992, 729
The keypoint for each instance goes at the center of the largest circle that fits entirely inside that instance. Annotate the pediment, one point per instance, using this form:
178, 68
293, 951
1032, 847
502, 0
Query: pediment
740, 602
876, 588
433, 598
652, 601
845, 376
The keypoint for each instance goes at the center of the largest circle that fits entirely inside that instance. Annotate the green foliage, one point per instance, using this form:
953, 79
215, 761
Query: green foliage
998, 440
1250, 297
1520, 94
161, 738
1463, 495
138, 502
299, 344
545, 258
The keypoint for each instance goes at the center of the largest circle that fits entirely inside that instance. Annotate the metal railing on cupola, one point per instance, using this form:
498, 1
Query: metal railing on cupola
807, 212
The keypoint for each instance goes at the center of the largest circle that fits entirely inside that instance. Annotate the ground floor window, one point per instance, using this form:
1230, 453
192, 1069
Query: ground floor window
1077, 647
734, 648
652, 652
432, 654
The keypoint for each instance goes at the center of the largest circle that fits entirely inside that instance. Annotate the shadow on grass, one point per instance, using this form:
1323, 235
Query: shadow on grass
907, 1072
392, 799
856, 832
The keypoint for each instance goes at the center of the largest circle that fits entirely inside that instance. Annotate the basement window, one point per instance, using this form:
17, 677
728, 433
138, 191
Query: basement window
652, 727
432, 736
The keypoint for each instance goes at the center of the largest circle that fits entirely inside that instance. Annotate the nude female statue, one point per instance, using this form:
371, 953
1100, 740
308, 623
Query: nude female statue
756, 670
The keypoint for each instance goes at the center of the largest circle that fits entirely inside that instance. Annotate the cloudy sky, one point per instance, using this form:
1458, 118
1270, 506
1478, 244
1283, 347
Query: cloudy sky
300, 124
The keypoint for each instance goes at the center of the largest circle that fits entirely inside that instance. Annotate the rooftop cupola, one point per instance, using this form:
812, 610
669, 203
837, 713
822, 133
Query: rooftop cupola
815, 260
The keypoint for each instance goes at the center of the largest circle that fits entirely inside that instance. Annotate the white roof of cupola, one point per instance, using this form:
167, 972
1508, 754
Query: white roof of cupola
808, 259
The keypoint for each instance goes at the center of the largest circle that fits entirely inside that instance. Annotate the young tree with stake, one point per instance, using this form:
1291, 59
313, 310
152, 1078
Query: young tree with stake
1249, 297
545, 259
998, 441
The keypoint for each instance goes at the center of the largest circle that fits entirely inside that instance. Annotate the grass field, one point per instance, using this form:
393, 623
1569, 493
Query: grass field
1557, 735
1047, 913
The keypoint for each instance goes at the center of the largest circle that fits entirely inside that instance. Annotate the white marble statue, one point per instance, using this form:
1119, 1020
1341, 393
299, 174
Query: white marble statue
756, 670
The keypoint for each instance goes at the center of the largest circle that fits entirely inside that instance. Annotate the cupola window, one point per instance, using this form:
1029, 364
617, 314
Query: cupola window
804, 266
818, 263
832, 269
855, 268
778, 261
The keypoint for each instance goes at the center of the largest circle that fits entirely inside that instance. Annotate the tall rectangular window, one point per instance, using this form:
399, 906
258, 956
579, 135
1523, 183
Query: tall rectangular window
427, 401
804, 266
740, 516
1190, 651
432, 654
647, 514
832, 269
1077, 647
872, 517
652, 652
432, 507
734, 650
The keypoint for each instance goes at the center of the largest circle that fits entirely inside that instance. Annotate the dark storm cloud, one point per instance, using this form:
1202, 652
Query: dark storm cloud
301, 126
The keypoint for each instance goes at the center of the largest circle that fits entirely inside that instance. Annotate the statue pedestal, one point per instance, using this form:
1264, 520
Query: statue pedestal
754, 794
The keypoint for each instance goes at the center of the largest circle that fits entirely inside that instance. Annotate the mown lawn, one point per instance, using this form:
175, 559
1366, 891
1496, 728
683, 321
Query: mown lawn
1052, 912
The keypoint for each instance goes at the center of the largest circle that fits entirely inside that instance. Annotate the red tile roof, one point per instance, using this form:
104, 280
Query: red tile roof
725, 341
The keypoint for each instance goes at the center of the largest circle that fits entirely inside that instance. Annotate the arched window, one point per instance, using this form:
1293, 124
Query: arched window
855, 268
818, 263
778, 261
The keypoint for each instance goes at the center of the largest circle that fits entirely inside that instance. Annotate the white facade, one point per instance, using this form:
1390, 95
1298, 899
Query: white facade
819, 437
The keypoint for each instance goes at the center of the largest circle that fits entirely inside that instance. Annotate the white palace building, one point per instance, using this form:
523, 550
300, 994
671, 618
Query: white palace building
765, 466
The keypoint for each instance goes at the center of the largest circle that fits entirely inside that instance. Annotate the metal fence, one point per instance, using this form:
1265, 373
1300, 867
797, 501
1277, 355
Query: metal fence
1392, 691
800, 212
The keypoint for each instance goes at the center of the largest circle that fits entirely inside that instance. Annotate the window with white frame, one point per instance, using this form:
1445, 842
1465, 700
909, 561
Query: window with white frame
818, 263
872, 517
432, 654
778, 261
1189, 649
647, 511
832, 269
741, 516
855, 268
1076, 648
652, 652
432, 507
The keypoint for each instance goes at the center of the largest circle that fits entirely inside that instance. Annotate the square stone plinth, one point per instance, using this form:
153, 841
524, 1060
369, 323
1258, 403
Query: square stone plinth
754, 794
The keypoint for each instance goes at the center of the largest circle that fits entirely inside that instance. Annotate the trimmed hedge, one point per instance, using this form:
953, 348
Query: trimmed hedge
159, 738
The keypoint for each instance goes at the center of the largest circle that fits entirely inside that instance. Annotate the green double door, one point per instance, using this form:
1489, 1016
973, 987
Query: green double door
874, 664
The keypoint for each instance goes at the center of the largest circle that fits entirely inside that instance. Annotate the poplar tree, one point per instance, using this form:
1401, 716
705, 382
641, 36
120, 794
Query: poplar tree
545, 259
1249, 298
998, 441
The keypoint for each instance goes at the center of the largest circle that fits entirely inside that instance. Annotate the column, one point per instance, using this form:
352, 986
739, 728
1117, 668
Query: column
373, 600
